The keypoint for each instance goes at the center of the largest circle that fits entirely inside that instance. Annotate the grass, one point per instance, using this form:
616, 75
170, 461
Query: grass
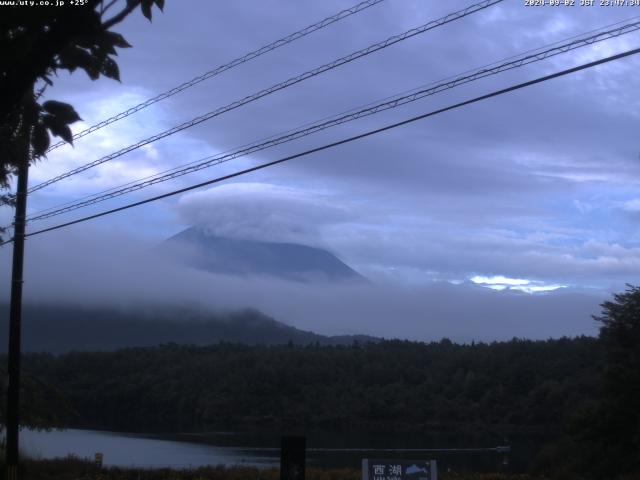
74, 468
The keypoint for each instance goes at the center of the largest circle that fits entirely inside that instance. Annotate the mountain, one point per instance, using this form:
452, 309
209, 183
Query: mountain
200, 249
58, 329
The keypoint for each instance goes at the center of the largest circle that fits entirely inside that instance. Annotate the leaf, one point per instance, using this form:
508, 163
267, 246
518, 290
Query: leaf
84, 41
110, 69
58, 128
160, 4
92, 71
40, 140
66, 65
65, 133
117, 40
88, 62
74, 57
62, 111
146, 8
106, 46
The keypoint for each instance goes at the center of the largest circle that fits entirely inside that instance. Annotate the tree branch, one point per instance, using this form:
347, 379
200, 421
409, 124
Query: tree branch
107, 7
120, 16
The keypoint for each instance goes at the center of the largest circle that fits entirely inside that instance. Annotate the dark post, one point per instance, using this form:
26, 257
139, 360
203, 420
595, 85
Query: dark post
504, 451
292, 458
505, 462
15, 315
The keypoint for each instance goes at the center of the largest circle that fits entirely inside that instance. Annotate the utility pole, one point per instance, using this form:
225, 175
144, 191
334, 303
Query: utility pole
15, 312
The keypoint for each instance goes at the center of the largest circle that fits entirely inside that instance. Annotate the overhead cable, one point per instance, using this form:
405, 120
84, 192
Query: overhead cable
279, 86
227, 66
388, 104
342, 142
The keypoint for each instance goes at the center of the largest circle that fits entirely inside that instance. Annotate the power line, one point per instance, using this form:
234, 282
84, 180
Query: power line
227, 66
539, 50
499, 449
394, 102
343, 141
599, 31
279, 86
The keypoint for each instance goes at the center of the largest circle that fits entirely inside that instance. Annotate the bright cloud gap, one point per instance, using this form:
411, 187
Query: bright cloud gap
499, 282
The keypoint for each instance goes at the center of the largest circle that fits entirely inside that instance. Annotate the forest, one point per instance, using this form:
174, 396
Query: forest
581, 393
391, 384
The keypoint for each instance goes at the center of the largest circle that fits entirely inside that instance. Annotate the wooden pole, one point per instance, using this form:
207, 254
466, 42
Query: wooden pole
15, 316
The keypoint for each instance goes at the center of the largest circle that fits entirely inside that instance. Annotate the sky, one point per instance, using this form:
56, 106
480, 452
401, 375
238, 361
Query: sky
515, 216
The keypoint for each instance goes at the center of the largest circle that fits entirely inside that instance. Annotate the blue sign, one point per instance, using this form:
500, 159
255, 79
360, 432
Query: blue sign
399, 469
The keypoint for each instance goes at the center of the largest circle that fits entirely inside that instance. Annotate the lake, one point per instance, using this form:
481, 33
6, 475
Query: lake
261, 449
140, 450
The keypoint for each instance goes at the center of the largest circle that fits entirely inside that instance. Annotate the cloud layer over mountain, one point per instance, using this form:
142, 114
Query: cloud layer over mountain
116, 272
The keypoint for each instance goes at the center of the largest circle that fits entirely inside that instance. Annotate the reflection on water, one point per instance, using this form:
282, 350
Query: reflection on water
260, 448
121, 449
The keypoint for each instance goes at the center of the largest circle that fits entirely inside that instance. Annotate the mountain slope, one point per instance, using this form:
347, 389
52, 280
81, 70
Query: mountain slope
204, 251
58, 329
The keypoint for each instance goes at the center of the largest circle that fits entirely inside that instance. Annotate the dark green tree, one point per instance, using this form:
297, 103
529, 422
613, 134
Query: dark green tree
36, 43
616, 435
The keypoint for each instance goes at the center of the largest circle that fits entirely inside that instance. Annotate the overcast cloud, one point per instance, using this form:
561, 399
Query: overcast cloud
540, 185
127, 274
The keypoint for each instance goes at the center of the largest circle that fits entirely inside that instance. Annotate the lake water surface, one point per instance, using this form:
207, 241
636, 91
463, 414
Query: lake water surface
121, 449
261, 449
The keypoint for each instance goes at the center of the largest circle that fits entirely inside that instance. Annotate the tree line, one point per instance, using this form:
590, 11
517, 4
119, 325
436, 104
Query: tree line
390, 384
582, 392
